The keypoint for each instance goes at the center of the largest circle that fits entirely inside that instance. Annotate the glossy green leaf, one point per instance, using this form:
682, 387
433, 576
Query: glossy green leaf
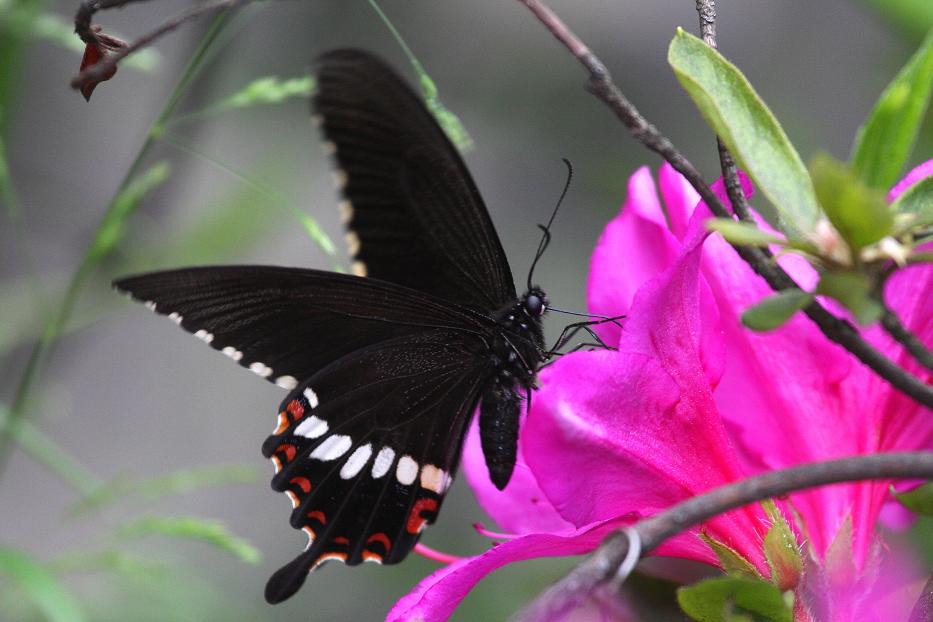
775, 310
853, 289
918, 202
735, 111
210, 532
124, 204
919, 500
860, 214
722, 599
44, 591
884, 142
781, 551
742, 233
730, 559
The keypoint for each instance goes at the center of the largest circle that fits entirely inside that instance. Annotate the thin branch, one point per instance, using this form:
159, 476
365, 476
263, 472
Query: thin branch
834, 328
603, 563
104, 67
900, 333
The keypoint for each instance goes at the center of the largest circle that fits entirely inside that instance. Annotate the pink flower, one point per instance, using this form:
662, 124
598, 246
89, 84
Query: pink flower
691, 401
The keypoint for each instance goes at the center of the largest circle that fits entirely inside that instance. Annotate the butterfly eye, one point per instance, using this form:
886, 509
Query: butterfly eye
534, 305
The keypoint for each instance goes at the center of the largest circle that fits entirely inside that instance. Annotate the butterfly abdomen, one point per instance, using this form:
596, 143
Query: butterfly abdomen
498, 426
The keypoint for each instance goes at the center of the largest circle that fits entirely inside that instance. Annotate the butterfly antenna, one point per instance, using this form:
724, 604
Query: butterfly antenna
546, 229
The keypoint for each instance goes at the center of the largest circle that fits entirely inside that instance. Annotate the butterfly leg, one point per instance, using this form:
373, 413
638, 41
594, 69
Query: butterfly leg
571, 330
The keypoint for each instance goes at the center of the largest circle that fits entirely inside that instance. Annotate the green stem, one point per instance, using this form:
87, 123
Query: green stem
55, 324
52, 456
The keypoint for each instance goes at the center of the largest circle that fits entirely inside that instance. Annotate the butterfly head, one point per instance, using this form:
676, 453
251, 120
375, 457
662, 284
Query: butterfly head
534, 302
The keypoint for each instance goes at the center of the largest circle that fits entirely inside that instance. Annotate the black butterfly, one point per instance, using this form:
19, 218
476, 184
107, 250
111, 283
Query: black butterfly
384, 372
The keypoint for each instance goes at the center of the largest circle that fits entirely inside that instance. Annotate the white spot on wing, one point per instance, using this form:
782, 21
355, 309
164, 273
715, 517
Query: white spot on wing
312, 427
310, 533
204, 336
293, 498
356, 461
332, 447
260, 369
233, 353
311, 396
358, 268
433, 478
150, 305
340, 179
353, 243
383, 462
407, 470
346, 211
329, 147
286, 382
175, 318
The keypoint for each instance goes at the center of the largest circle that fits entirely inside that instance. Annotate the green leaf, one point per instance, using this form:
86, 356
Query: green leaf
730, 560
742, 233
269, 90
775, 310
124, 204
781, 550
919, 500
176, 482
735, 111
43, 589
854, 290
860, 214
914, 17
917, 201
883, 144
448, 121
721, 599
210, 532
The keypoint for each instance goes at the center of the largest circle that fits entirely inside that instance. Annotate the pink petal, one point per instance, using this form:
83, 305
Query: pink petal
519, 509
632, 432
634, 247
679, 198
435, 597
920, 172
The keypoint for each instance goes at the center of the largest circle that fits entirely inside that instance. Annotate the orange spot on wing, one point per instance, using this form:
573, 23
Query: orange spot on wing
293, 498
369, 556
318, 516
302, 482
415, 519
282, 424
277, 463
341, 540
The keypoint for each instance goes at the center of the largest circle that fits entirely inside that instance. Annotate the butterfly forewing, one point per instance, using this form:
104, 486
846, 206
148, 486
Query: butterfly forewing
366, 448
285, 324
414, 214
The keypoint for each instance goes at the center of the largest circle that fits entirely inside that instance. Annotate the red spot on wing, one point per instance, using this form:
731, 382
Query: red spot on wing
288, 449
295, 409
341, 540
302, 482
416, 520
381, 538
318, 516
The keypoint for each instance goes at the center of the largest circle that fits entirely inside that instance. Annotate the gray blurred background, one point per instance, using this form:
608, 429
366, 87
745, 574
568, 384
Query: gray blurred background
130, 396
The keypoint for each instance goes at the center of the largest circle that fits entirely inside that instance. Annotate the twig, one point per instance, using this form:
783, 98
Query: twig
104, 67
900, 333
834, 328
602, 564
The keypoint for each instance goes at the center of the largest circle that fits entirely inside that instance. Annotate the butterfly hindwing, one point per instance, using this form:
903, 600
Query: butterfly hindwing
414, 214
285, 324
366, 448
